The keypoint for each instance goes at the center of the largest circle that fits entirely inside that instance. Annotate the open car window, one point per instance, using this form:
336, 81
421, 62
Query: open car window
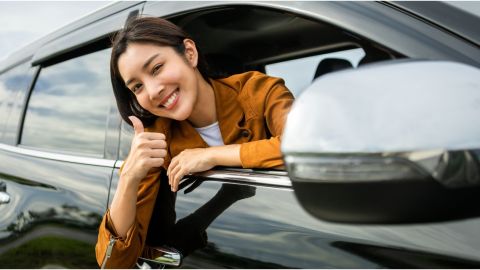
236, 39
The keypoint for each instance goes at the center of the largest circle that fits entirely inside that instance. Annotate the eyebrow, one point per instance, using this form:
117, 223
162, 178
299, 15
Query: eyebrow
144, 66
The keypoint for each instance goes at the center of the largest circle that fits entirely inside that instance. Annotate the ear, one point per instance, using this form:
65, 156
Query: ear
191, 52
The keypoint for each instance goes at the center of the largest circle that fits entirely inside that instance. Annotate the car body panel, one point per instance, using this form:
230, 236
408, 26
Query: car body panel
453, 20
54, 201
87, 34
59, 199
27, 52
271, 230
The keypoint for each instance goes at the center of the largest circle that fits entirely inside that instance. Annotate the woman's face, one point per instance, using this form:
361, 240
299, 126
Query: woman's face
164, 82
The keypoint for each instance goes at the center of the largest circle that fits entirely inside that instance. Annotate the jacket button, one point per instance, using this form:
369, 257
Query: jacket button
245, 133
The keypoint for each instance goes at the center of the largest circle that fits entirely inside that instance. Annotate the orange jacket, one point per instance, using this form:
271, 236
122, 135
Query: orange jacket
251, 110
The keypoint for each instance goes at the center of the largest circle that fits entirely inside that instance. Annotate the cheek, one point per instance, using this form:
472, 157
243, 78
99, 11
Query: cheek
173, 75
144, 101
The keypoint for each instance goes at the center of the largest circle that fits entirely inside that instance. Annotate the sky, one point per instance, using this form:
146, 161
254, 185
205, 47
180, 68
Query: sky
22, 22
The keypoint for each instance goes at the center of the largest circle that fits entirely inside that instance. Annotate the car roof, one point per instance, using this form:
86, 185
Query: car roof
451, 18
25, 53
440, 14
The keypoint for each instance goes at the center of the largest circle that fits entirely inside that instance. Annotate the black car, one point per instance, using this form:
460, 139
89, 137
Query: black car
370, 181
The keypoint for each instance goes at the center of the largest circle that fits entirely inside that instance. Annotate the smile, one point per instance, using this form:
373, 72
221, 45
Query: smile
170, 101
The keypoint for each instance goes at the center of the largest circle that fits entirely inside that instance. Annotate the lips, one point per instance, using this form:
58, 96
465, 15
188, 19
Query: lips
169, 101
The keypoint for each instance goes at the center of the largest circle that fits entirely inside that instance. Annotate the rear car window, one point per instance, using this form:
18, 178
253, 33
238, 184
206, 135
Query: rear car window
67, 110
300, 72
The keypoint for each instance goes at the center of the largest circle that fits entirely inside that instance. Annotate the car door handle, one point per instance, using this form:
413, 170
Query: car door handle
4, 196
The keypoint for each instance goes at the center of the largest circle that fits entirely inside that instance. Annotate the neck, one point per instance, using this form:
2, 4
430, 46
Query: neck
204, 113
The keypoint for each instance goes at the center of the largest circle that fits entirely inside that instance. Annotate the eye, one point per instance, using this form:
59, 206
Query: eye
156, 68
137, 87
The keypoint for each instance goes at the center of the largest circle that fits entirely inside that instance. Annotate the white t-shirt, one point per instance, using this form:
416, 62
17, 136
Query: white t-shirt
211, 134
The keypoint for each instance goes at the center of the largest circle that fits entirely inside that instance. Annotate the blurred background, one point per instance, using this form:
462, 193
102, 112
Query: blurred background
22, 22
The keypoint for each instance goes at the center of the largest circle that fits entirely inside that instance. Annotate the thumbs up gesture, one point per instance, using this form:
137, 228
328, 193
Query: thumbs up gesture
148, 151
137, 125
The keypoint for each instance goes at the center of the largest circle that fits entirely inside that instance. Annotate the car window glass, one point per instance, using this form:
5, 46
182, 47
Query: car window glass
126, 136
68, 107
12, 82
299, 73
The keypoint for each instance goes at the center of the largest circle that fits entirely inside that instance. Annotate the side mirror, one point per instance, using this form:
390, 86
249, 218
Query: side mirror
164, 256
392, 142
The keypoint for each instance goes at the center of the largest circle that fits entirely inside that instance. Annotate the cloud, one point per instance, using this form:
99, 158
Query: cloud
25, 21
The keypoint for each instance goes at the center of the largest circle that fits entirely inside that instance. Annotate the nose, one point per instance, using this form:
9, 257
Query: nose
154, 89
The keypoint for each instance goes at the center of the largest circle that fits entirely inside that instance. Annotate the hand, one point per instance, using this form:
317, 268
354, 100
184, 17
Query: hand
189, 161
148, 151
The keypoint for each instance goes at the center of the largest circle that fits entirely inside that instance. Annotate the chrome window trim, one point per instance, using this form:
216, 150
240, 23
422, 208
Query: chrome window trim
59, 157
246, 176
240, 175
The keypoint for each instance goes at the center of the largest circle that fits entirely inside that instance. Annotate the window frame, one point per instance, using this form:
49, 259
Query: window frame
28, 85
383, 24
110, 149
69, 42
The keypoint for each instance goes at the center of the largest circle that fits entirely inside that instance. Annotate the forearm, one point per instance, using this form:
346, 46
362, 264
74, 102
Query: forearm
123, 208
258, 154
262, 154
226, 155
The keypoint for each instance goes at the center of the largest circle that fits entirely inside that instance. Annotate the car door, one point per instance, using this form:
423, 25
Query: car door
57, 176
59, 143
253, 218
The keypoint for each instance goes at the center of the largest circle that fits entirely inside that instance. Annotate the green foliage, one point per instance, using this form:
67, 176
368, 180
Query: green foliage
49, 252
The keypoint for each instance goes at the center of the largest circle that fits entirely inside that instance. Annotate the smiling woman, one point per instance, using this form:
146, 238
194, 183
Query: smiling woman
58, 179
193, 122
159, 82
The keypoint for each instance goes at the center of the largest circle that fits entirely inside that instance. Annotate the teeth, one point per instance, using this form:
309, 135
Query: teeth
170, 100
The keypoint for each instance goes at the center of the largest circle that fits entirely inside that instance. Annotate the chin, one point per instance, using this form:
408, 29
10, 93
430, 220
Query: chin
181, 115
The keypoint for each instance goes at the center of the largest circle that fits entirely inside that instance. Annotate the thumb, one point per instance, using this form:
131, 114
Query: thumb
137, 124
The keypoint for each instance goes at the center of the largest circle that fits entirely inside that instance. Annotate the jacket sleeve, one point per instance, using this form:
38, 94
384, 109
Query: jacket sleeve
125, 251
266, 153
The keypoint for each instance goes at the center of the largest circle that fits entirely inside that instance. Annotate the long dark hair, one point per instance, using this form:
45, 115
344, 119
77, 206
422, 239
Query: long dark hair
150, 30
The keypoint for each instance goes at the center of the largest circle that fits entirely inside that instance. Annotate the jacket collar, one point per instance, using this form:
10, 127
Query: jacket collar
229, 106
230, 114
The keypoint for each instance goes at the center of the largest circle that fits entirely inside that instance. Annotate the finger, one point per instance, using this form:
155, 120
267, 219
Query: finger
157, 144
155, 162
169, 169
177, 179
157, 153
137, 124
153, 135
173, 164
174, 172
